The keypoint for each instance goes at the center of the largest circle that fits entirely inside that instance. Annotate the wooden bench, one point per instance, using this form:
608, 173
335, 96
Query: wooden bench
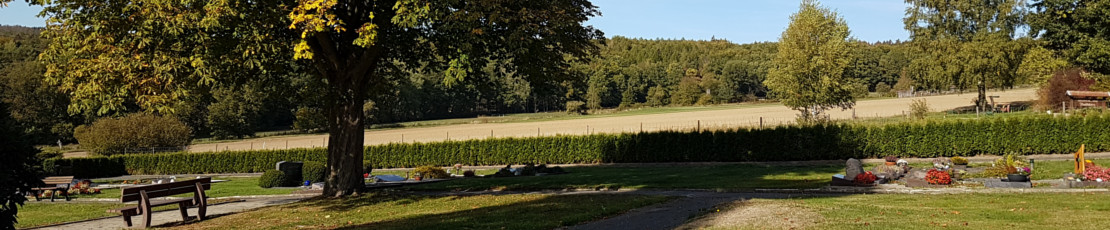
55, 184
144, 194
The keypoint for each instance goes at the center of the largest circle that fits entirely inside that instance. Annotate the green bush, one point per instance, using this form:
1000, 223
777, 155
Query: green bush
310, 120
576, 107
314, 171
929, 139
431, 172
273, 178
109, 136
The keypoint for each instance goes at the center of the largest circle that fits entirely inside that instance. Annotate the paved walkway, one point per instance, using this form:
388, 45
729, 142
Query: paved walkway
172, 216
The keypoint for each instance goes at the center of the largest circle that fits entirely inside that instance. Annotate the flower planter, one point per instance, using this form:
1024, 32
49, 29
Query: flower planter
1017, 178
890, 163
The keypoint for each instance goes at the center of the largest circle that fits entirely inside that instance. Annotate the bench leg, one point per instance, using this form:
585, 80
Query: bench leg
201, 210
184, 212
127, 219
52, 193
146, 220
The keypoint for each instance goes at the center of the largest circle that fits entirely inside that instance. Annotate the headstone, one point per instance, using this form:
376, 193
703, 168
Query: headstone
1006, 184
854, 167
290, 168
389, 178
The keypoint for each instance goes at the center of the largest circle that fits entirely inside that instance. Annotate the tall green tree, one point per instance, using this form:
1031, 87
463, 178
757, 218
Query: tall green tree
153, 53
964, 44
809, 73
1079, 29
17, 168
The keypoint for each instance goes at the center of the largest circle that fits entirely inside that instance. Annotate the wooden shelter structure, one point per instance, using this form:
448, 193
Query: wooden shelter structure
1087, 99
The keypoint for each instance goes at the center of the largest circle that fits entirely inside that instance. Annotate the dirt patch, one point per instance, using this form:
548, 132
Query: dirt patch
757, 214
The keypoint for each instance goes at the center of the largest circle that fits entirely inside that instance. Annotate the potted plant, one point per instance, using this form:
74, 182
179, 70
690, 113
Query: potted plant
1019, 175
891, 160
418, 177
1017, 170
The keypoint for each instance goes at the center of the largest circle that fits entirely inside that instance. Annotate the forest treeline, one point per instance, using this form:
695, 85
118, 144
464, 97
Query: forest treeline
625, 73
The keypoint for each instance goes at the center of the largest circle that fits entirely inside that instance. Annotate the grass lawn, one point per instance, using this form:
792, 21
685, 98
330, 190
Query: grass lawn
38, 214
389, 211
234, 186
917, 211
729, 177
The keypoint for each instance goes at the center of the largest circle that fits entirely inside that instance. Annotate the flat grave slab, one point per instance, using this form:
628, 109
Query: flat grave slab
1006, 184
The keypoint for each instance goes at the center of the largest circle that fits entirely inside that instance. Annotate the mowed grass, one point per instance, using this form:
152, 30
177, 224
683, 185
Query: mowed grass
391, 211
234, 186
725, 177
34, 214
920, 211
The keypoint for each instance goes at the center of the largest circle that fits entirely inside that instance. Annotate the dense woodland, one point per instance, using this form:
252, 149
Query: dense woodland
624, 73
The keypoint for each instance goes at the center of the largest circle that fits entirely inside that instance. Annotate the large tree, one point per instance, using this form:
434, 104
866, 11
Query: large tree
109, 54
809, 72
965, 43
1078, 28
17, 168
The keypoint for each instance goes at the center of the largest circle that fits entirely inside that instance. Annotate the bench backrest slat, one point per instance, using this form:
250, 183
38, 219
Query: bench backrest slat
164, 189
54, 180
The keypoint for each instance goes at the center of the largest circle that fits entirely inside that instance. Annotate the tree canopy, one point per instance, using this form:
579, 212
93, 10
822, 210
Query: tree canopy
965, 44
809, 72
1079, 29
154, 54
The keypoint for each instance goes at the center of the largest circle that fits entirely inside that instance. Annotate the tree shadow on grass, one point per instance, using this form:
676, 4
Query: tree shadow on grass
544, 213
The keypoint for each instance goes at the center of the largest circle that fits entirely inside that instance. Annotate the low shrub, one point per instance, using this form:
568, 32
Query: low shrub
314, 171
959, 161
919, 108
273, 178
468, 173
576, 107
109, 136
431, 172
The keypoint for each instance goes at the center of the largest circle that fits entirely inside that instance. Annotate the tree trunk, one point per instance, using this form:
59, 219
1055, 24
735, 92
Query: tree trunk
983, 105
345, 140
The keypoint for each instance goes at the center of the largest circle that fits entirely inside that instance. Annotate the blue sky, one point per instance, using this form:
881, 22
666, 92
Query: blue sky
740, 21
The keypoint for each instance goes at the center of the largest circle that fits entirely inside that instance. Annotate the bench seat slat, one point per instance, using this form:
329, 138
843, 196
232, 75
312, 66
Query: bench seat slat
165, 189
135, 209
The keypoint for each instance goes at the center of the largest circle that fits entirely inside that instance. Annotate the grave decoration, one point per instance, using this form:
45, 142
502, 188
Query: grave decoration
865, 178
854, 175
938, 177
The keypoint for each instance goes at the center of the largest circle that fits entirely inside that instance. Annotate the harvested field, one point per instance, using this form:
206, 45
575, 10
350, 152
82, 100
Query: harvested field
750, 116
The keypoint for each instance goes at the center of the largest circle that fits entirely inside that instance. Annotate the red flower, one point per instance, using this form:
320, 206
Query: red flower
938, 177
865, 178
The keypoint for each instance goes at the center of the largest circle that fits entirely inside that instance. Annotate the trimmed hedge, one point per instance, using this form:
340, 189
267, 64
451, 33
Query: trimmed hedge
273, 178
314, 171
1025, 135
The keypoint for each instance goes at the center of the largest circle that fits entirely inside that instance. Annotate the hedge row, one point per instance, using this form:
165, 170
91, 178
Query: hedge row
1028, 135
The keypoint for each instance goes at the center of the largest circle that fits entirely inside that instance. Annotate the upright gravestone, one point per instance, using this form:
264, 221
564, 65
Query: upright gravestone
290, 168
854, 167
